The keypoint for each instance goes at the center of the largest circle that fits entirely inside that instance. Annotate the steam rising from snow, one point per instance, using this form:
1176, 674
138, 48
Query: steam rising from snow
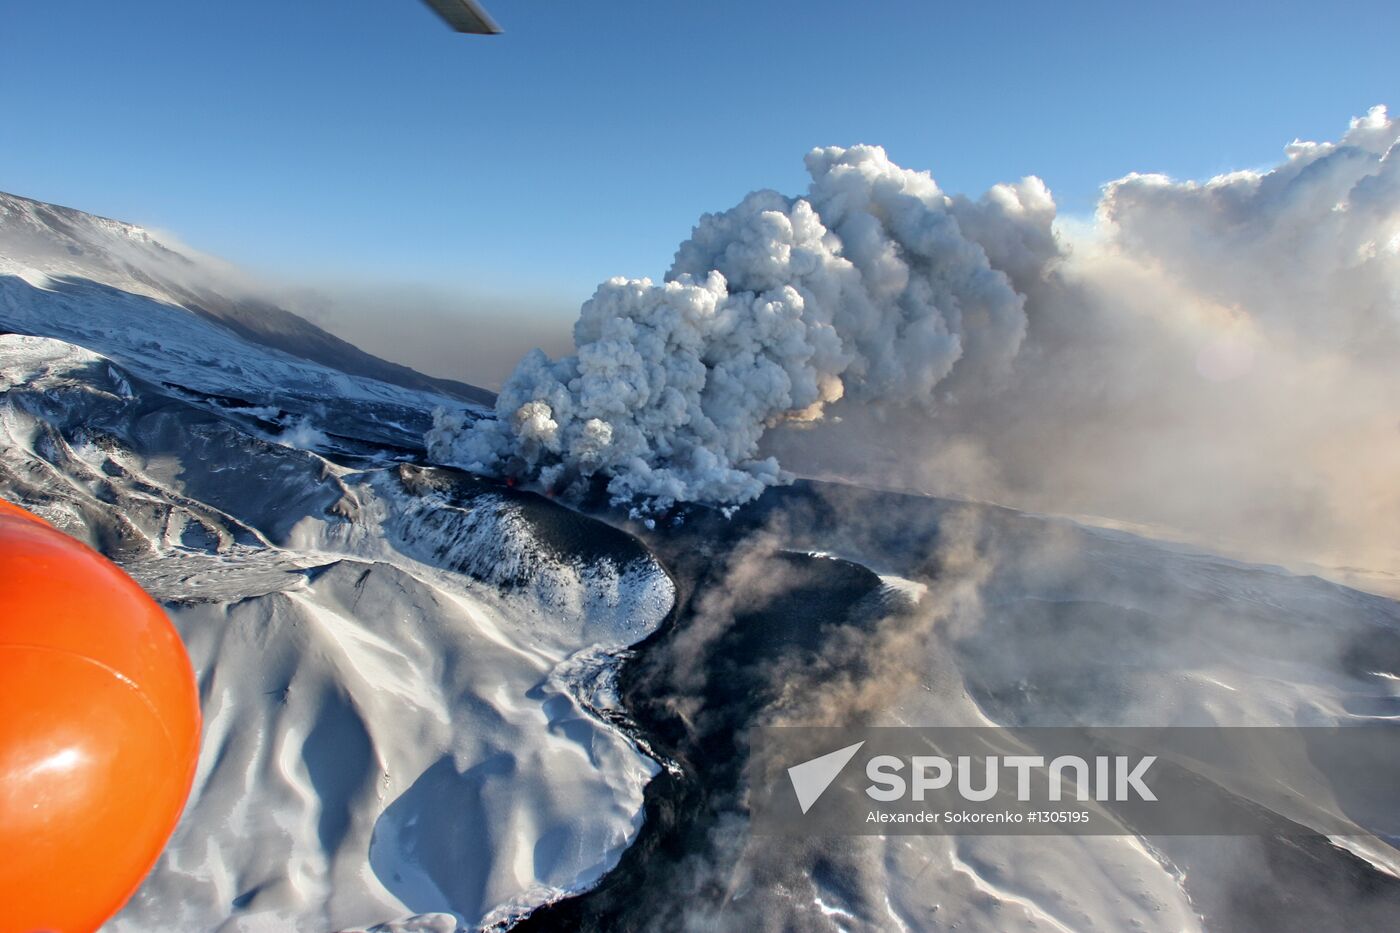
868, 288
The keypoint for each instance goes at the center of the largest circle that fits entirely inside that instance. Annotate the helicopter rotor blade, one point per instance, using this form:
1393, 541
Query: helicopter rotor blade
465, 16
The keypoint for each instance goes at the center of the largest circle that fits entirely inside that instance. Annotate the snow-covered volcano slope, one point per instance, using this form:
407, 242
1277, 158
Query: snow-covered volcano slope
387, 658
822, 603
166, 344
59, 243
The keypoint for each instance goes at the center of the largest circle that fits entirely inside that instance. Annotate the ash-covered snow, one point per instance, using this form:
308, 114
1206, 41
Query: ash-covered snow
826, 603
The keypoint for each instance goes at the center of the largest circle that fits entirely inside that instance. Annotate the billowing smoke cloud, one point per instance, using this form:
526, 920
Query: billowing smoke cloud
1310, 246
1214, 358
868, 289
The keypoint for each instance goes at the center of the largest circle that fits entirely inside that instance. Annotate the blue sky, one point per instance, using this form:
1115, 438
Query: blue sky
360, 140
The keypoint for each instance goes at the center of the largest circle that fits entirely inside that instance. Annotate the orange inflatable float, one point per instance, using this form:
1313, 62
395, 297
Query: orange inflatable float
99, 730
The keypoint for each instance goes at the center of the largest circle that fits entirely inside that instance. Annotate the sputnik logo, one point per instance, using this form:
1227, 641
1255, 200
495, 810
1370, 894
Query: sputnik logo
811, 778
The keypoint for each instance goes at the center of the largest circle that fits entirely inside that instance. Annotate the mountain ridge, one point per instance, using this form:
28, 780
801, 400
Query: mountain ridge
68, 243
